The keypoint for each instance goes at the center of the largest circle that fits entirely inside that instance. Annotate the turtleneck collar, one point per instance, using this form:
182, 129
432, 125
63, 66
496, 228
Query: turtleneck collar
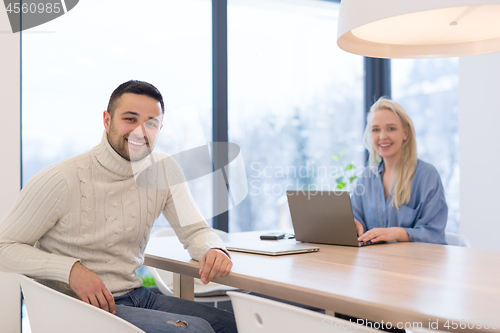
113, 162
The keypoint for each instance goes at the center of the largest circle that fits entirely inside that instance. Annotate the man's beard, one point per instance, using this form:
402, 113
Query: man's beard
120, 145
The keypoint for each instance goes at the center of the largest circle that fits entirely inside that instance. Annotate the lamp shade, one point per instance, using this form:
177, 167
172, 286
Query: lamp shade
419, 28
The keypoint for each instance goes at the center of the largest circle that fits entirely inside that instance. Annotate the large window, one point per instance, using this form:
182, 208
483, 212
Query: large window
295, 100
72, 64
428, 90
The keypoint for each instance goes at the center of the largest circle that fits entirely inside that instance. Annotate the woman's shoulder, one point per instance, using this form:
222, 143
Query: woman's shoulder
425, 168
426, 172
369, 171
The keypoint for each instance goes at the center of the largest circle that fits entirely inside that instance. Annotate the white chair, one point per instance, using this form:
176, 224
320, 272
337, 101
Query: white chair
261, 315
53, 312
207, 293
457, 240
423, 330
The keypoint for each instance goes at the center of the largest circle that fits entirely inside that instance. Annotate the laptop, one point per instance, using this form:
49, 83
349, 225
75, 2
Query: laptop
270, 248
323, 217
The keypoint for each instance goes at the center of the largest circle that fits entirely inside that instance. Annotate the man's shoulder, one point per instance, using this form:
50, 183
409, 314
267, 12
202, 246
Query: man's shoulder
166, 161
66, 166
83, 160
50, 175
159, 155
173, 170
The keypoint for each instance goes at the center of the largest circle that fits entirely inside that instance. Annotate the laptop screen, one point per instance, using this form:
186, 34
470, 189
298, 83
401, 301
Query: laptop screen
323, 217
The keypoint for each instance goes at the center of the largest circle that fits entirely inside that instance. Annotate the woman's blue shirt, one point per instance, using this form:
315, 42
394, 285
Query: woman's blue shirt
423, 217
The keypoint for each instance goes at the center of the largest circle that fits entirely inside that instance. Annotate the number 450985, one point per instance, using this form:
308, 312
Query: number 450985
33, 8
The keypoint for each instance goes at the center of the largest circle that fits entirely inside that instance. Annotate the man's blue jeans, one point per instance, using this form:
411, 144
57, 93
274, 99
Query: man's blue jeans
157, 313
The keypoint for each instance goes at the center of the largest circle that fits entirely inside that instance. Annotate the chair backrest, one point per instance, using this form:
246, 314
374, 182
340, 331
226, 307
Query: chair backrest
50, 311
163, 279
457, 240
260, 315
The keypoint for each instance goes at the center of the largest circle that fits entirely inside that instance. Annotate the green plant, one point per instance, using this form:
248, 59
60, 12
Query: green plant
148, 281
348, 173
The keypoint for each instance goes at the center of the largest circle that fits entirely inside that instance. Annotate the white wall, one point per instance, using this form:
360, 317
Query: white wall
10, 174
479, 129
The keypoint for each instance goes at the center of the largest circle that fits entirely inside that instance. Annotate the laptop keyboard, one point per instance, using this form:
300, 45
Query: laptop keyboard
370, 243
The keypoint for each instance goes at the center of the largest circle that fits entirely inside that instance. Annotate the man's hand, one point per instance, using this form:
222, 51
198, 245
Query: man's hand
385, 234
90, 288
359, 227
214, 264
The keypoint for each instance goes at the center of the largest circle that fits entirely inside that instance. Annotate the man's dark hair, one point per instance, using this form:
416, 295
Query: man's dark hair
134, 87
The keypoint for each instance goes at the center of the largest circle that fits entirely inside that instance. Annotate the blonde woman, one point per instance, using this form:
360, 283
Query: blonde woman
398, 197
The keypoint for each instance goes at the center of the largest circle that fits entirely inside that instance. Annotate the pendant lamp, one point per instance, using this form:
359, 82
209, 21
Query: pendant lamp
419, 28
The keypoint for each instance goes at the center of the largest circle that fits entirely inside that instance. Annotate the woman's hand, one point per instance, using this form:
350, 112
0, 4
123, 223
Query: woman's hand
385, 235
359, 227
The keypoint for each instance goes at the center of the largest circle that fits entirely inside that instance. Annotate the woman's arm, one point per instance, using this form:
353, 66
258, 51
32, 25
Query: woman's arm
385, 235
430, 221
430, 225
358, 213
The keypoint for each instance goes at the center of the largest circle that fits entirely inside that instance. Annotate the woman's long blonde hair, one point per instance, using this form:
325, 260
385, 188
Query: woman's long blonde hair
401, 183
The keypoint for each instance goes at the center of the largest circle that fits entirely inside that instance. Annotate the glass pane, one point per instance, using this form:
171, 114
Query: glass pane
428, 90
295, 100
72, 64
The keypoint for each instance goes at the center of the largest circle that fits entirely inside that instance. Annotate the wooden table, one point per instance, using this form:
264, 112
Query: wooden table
408, 283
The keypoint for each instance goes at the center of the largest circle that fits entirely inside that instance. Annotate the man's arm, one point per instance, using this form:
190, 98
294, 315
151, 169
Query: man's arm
190, 227
90, 288
214, 264
40, 205
37, 209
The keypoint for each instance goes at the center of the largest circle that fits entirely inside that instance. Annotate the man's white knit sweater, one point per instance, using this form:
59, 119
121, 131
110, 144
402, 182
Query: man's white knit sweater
98, 208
